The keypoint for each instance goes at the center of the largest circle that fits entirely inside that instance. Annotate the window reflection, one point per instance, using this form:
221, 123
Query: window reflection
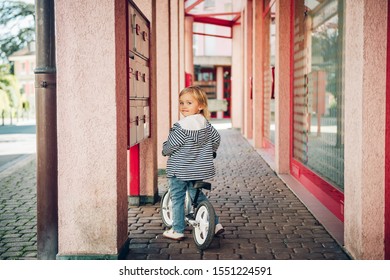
318, 88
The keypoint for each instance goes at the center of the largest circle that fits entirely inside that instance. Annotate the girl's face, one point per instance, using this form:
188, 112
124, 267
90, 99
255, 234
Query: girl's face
188, 105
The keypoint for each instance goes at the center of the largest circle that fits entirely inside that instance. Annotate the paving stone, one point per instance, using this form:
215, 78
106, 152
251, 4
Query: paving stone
262, 217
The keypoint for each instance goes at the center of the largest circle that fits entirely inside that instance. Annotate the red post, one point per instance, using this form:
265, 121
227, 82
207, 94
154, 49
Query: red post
134, 171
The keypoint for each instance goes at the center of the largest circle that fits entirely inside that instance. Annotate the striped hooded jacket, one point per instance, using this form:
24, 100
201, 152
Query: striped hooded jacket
190, 146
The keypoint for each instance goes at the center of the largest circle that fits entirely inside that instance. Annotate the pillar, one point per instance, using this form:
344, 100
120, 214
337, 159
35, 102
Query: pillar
365, 107
188, 49
219, 74
248, 58
282, 86
92, 129
237, 95
258, 101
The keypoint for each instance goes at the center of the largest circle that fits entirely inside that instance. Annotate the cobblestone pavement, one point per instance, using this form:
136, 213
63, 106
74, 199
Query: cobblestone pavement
18, 219
262, 218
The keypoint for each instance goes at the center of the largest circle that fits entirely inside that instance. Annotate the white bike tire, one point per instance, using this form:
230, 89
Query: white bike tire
203, 232
166, 209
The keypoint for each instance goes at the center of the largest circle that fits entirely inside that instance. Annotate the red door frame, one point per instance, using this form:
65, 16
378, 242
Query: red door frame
387, 145
328, 195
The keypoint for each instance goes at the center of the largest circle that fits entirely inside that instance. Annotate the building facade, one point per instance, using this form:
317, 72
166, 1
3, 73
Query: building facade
309, 90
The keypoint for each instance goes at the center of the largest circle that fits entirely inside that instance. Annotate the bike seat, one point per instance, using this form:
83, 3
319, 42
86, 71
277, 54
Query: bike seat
202, 185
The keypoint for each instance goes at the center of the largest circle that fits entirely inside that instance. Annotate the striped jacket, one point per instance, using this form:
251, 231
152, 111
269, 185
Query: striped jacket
191, 150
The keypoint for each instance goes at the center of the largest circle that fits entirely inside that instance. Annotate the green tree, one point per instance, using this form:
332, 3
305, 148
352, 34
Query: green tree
17, 25
10, 98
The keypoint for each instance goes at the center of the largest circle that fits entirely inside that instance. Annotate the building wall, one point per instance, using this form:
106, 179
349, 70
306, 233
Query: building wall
92, 126
365, 88
365, 58
163, 78
24, 72
169, 69
237, 78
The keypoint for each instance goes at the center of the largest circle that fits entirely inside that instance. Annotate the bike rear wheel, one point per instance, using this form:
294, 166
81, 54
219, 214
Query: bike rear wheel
166, 209
203, 232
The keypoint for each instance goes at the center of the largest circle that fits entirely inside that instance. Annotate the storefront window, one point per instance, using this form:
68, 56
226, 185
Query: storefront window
318, 96
268, 75
205, 78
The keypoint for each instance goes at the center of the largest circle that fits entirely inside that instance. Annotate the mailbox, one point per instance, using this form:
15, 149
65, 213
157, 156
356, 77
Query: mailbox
139, 79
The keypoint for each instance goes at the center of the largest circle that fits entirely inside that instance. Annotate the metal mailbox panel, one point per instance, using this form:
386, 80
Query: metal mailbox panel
130, 27
133, 92
139, 78
140, 33
141, 36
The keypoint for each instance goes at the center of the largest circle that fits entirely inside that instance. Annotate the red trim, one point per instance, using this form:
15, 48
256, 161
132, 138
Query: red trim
134, 171
189, 8
214, 15
128, 76
213, 35
268, 8
237, 17
387, 146
329, 196
267, 144
215, 21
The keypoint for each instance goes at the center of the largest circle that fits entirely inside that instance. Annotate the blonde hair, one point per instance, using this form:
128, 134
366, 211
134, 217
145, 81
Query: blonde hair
200, 96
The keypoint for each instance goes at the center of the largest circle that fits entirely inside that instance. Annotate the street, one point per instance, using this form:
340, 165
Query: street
16, 143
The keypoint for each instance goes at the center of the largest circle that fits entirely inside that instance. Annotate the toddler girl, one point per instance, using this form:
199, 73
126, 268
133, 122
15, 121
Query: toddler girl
190, 146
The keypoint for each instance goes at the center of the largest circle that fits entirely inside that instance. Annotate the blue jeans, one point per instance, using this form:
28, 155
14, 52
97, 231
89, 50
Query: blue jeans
178, 190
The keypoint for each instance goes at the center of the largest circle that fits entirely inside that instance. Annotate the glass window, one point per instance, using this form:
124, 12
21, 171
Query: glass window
318, 96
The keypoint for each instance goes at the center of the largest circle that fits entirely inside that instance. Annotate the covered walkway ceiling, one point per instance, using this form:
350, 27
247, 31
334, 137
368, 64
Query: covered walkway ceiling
217, 12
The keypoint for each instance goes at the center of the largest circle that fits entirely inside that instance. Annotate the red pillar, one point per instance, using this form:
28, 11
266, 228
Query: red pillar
134, 171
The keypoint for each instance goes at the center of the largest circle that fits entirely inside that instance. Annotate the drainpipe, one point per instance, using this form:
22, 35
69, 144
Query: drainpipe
45, 97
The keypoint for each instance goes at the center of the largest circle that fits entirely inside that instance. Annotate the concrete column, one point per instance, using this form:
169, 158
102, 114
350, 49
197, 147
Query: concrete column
282, 86
258, 101
163, 78
365, 107
237, 77
175, 61
91, 47
248, 110
219, 88
188, 49
180, 40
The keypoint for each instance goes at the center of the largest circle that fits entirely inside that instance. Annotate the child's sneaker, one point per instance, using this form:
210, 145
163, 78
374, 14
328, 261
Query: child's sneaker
219, 229
171, 234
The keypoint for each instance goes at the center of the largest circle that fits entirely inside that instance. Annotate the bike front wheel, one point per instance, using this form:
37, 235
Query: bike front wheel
166, 209
203, 231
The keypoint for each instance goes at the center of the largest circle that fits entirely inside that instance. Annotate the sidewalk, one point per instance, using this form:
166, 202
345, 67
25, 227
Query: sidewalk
262, 217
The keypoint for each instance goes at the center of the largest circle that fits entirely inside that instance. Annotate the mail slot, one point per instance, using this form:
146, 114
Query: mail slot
139, 121
139, 35
139, 77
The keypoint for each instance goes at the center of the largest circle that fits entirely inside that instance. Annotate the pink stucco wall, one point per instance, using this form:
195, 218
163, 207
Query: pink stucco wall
92, 126
282, 86
365, 91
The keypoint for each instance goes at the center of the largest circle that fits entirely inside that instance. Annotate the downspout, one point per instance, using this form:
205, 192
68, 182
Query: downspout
45, 97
